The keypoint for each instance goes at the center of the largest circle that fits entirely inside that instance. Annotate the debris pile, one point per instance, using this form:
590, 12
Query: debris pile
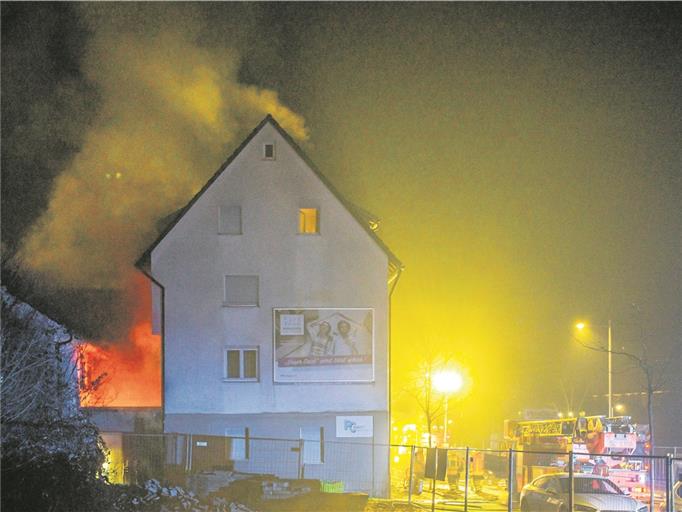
155, 497
239, 493
207, 482
268, 493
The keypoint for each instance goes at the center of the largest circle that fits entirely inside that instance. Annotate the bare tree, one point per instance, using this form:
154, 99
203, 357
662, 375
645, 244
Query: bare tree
34, 376
52, 454
41, 358
431, 404
651, 369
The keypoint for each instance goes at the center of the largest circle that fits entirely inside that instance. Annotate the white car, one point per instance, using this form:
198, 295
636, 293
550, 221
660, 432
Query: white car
591, 493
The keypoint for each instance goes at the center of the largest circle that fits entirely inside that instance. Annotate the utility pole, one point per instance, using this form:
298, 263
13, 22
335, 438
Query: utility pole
610, 371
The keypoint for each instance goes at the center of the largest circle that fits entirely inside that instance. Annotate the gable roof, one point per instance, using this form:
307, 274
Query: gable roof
360, 215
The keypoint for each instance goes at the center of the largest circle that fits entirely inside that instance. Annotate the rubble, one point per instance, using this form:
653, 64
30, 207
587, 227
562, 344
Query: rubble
154, 497
268, 493
228, 491
207, 482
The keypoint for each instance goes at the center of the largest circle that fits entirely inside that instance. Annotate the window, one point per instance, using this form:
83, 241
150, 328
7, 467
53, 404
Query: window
313, 445
308, 221
241, 291
542, 483
230, 220
587, 485
552, 486
241, 364
269, 151
239, 445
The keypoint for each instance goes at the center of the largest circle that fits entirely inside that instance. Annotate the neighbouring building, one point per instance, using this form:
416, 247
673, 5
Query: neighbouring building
272, 295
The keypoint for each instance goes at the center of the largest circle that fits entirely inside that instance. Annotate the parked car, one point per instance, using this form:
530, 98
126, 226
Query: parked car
591, 493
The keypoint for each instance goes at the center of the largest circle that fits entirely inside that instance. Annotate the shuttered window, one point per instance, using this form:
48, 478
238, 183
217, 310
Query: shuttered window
241, 291
230, 220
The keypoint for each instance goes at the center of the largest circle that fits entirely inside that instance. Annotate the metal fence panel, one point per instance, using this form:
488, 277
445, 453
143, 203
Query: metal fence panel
278, 457
676, 484
346, 464
401, 472
446, 479
488, 485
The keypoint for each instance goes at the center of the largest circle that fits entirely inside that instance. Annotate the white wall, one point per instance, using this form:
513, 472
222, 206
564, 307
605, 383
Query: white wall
341, 267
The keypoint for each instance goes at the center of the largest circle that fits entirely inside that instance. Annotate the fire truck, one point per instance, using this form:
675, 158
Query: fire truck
608, 446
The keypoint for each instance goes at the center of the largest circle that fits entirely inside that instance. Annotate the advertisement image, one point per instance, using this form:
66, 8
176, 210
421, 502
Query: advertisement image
324, 345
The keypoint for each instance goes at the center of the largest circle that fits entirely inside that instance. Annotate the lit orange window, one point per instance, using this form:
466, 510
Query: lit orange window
307, 221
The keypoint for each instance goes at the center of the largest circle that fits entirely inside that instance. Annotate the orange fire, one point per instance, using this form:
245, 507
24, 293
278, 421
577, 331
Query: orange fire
124, 373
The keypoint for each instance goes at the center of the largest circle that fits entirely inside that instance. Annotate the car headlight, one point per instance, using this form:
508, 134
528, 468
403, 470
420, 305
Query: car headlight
584, 508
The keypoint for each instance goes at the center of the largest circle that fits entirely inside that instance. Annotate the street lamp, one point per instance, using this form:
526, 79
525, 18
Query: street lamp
580, 326
447, 382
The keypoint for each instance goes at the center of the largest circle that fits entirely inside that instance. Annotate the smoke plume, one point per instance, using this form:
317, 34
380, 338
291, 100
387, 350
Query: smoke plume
171, 109
168, 109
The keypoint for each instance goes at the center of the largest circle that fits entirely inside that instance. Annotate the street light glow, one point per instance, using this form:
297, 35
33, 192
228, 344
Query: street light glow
581, 326
447, 381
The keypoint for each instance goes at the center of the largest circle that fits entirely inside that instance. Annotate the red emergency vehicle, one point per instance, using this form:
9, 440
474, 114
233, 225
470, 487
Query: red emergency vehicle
608, 446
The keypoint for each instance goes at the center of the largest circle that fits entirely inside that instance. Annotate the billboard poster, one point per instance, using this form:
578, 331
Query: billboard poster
323, 344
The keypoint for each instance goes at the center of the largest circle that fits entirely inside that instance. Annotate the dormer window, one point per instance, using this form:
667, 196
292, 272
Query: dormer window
308, 221
269, 151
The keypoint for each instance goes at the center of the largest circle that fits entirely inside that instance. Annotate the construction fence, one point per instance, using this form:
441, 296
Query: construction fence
466, 479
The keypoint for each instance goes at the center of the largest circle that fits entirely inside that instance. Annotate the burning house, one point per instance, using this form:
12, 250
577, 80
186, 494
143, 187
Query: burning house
271, 294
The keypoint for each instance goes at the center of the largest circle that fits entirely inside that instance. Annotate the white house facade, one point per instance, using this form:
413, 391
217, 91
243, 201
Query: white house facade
272, 295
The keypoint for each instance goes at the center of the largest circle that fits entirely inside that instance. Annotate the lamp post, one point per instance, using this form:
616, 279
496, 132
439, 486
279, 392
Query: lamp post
447, 382
609, 353
610, 372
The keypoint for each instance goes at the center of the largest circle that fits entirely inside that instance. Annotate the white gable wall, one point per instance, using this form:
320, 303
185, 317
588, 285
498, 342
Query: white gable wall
342, 267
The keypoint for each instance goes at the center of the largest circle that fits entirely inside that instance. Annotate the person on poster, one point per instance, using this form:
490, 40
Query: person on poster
346, 343
323, 342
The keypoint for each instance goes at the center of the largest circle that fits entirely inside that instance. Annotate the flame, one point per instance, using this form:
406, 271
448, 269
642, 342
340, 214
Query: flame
127, 372
122, 374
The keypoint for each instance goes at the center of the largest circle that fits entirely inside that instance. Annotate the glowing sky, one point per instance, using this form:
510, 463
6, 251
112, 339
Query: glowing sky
524, 160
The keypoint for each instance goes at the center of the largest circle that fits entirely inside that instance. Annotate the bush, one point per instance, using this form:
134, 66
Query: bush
55, 468
50, 483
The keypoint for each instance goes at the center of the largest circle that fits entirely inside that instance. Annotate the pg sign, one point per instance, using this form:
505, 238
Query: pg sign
354, 426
